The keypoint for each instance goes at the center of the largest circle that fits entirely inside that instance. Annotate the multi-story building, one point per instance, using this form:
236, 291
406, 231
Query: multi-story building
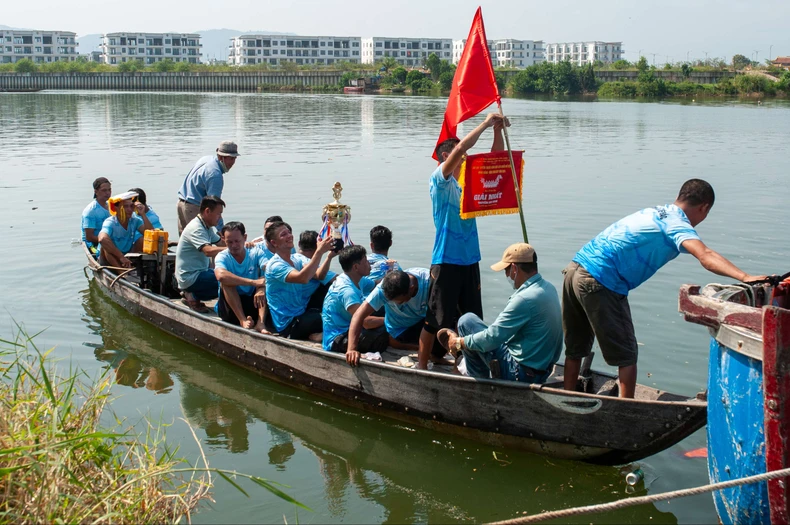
406, 51
39, 46
507, 52
302, 50
117, 48
581, 53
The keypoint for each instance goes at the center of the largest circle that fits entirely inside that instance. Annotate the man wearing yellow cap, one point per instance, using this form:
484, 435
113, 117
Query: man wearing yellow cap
526, 338
118, 232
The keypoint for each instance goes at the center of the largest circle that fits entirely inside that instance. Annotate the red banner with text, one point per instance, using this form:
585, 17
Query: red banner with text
487, 184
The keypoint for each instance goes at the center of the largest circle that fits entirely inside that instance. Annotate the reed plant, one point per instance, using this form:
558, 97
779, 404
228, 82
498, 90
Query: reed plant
58, 463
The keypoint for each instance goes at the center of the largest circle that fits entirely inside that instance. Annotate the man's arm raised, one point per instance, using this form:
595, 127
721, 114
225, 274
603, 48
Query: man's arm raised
455, 158
304, 275
355, 330
717, 263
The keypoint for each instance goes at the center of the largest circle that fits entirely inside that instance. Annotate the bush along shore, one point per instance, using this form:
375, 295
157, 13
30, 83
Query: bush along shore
58, 465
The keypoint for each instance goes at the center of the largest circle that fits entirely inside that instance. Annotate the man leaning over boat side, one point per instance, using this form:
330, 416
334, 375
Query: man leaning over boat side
623, 256
207, 177
242, 289
295, 285
455, 272
123, 231
526, 337
198, 244
95, 213
403, 295
344, 298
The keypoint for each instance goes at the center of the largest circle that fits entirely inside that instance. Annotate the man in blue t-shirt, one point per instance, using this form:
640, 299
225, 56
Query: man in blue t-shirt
242, 291
344, 298
455, 269
380, 244
623, 256
296, 285
122, 232
95, 213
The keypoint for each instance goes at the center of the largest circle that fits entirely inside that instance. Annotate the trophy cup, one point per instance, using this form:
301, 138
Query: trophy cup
337, 215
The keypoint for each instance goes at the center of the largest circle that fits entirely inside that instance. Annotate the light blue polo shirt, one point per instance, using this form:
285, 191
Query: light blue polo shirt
190, 261
288, 300
93, 216
205, 178
378, 266
399, 317
153, 219
456, 239
342, 295
630, 251
123, 238
249, 268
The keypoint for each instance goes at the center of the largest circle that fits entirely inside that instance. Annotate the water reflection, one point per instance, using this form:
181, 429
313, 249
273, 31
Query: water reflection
410, 475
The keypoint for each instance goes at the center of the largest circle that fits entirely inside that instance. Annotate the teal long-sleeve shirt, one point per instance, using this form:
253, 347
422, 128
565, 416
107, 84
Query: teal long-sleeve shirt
530, 326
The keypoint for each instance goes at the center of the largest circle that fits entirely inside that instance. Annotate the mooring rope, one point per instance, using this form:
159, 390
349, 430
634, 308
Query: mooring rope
641, 500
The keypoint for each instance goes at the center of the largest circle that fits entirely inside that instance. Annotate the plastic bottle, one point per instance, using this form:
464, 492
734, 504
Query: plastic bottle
634, 477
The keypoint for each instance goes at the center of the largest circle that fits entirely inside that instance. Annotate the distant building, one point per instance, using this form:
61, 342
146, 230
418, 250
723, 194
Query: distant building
507, 52
39, 46
581, 53
406, 51
783, 62
301, 50
117, 48
94, 56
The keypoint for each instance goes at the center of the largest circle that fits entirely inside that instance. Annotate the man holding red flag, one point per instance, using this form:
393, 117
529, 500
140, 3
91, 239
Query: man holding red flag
455, 272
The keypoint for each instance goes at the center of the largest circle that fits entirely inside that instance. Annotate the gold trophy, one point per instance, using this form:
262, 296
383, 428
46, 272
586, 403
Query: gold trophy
337, 215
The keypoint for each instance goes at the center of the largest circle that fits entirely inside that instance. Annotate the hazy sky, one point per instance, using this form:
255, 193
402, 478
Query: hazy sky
666, 28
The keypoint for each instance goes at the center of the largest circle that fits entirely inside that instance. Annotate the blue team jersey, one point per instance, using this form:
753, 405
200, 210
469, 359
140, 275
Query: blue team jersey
456, 239
153, 218
123, 238
379, 267
630, 251
342, 295
399, 317
288, 300
205, 178
249, 268
93, 216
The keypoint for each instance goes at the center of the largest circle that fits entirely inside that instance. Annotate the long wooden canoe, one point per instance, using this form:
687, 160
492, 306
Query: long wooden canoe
595, 427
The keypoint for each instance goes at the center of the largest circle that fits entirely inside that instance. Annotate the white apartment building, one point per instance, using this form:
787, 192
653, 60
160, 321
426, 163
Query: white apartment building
117, 48
39, 46
581, 53
406, 51
302, 50
507, 52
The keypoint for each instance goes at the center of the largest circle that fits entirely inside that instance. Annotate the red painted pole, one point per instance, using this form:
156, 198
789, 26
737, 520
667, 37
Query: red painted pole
776, 387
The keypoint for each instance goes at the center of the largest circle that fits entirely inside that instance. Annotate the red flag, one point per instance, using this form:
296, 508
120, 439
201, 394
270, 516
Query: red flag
474, 85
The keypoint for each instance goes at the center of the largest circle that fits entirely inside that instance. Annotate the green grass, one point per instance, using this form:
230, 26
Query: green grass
58, 464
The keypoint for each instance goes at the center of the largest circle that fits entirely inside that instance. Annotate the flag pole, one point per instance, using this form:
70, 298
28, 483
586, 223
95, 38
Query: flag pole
513, 171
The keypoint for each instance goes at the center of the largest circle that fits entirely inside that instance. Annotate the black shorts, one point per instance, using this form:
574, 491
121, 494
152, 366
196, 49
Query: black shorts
227, 315
375, 340
455, 290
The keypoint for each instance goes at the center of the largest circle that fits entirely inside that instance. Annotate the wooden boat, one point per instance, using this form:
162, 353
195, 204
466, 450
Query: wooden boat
748, 392
593, 425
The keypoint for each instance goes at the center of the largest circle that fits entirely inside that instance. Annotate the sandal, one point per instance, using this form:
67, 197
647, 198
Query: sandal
194, 305
443, 336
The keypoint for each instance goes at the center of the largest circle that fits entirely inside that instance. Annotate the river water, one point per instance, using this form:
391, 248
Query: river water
588, 164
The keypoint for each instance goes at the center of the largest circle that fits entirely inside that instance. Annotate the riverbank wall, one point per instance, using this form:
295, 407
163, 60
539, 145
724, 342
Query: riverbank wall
217, 82
698, 77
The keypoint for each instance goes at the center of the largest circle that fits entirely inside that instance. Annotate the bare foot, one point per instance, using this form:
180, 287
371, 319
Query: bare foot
262, 329
316, 338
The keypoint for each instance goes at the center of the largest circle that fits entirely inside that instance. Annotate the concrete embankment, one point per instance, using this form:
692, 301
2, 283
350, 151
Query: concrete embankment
228, 82
698, 77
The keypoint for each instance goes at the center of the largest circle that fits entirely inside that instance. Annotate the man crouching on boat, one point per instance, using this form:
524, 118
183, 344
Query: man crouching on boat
118, 232
526, 338
242, 290
295, 285
623, 256
199, 242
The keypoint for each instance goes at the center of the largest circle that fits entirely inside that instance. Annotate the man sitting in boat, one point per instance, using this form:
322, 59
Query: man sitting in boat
380, 244
261, 244
344, 298
296, 285
199, 242
149, 211
123, 231
623, 256
404, 298
242, 291
308, 242
526, 337
95, 213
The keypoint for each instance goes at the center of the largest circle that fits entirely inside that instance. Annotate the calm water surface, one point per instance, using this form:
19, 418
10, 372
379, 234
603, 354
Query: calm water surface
588, 164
